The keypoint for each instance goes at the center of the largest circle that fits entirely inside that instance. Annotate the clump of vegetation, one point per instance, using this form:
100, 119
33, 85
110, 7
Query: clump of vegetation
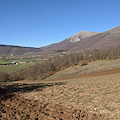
4, 77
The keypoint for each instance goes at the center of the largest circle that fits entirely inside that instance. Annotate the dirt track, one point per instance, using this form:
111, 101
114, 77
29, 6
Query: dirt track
107, 72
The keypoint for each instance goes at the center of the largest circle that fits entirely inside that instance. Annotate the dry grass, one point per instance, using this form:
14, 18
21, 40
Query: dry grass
92, 67
99, 94
96, 94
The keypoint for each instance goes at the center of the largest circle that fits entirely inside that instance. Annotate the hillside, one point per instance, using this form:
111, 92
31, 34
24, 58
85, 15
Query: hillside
91, 68
100, 41
95, 95
67, 44
17, 50
86, 41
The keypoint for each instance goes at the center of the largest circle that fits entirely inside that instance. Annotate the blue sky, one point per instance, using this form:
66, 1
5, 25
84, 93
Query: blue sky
36, 23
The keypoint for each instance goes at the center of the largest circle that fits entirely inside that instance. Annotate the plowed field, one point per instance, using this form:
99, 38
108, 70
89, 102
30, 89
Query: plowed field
94, 96
15, 107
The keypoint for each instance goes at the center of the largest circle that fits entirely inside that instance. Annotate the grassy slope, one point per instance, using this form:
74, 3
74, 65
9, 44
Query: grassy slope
92, 67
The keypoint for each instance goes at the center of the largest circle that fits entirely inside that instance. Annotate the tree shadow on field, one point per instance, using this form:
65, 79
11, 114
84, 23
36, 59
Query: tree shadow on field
7, 91
23, 87
4, 95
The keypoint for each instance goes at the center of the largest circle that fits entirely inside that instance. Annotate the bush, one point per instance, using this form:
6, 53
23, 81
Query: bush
15, 76
4, 77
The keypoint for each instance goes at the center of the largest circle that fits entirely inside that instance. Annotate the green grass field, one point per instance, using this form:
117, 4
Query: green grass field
9, 69
21, 60
14, 68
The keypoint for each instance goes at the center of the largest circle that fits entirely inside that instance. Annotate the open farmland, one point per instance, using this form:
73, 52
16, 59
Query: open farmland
15, 106
90, 92
97, 96
13, 68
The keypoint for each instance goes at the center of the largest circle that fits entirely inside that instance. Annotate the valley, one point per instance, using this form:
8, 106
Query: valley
14, 65
75, 79
94, 93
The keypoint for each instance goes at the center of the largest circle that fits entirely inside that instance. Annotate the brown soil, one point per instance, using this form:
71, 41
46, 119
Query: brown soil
13, 106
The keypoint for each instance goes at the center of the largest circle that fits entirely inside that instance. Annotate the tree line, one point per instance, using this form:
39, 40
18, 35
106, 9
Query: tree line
43, 70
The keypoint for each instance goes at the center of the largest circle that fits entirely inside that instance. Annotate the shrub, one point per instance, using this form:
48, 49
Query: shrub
4, 77
15, 76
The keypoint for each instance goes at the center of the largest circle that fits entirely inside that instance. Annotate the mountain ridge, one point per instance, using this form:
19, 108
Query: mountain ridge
79, 42
101, 40
17, 50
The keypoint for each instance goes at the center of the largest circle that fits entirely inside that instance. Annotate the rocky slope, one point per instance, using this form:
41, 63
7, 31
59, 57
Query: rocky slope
79, 36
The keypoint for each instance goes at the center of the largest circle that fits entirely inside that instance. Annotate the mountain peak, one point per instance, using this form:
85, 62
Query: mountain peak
81, 35
87, 41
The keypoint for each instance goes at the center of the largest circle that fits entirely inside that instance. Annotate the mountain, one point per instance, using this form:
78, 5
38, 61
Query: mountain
79, 42
17, 50
69, 43
102, 40
86, 41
